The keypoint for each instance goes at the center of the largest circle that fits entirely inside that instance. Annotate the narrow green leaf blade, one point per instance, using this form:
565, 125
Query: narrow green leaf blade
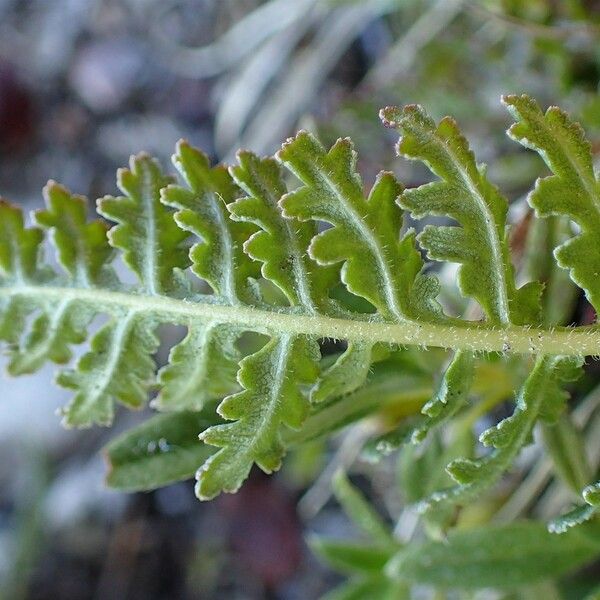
160, 451
504, 556
565, 444
351, 557
360, 511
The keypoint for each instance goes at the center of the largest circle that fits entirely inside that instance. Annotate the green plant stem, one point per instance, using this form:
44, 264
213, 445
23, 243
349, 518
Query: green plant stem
468, 336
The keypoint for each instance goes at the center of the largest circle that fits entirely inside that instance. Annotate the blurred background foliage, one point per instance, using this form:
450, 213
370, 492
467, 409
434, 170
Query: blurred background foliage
85, 83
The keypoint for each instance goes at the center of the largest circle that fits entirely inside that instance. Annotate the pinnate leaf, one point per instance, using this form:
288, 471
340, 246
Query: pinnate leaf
540, 396
377, 264
151, 242
463, 192
572, 190
271, 397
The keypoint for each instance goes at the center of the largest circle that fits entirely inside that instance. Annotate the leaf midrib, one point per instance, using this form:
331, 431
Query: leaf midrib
474, 336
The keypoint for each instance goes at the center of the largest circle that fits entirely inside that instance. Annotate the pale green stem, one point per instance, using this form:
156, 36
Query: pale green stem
468, 336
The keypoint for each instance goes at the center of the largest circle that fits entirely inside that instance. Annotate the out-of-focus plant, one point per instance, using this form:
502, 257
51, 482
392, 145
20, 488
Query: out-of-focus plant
261, 270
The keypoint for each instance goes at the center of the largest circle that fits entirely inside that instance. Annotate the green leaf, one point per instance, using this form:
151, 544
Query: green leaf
450, 397
62, 324
465, 194
496, 556
151, 242
369, 588
162, 450
579, 514
20, 250
201, 368
360, 511
119, 367
276, 271
271, 397
82, 246
560, 293
387, 389
378, 265
281, 244
540, 397
20, 247
84, 253
201, 207
350, 557
572, 190
566, 446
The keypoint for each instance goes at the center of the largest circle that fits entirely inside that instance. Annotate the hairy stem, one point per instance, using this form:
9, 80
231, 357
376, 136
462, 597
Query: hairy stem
472, 336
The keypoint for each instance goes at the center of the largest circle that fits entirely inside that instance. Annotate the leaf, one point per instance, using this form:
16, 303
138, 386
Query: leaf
281, 244
422, 471
579, 514
450, 397
20, 250
572, 190
540, 397
52, 333
349, 372
360, 511
560, 292
203, 366
201, 210
271, 397
84, 253
20, 247
151, 242
82, 246
351, 557
566, 446
495, 556
259, 409
119, 367
368, 588
463, 193
162, 450
388, 389
378, 265
274, 269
